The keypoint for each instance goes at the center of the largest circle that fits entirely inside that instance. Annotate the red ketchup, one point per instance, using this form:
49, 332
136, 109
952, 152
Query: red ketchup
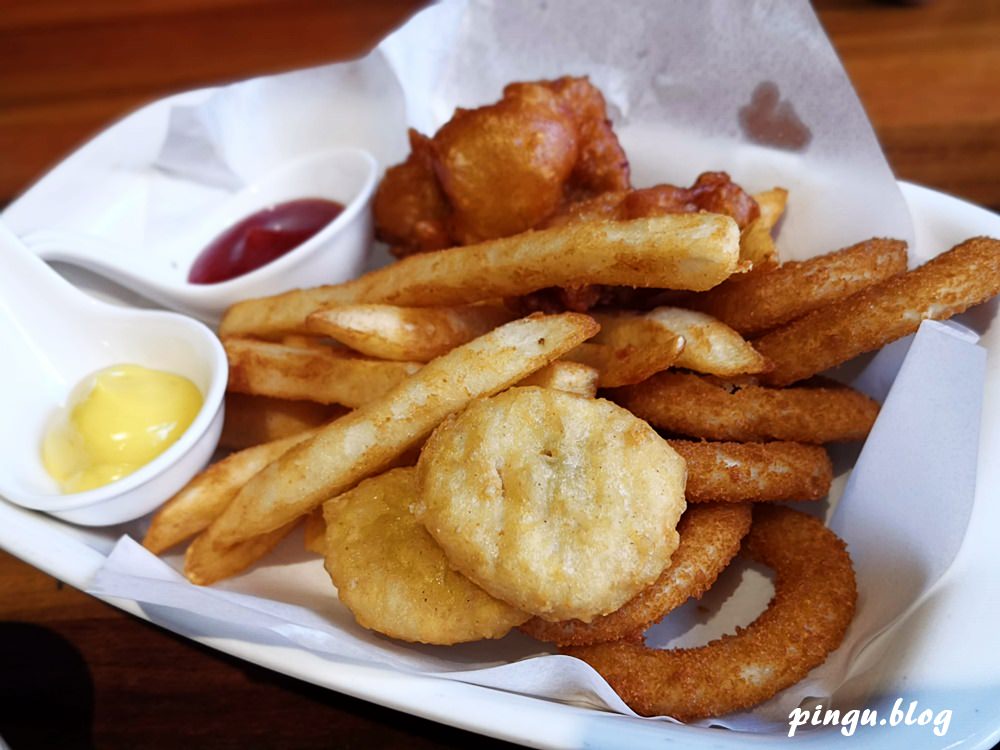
262, 237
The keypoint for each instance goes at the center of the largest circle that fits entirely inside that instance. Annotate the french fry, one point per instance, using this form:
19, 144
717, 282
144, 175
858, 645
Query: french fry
694, 405
710, 346
205, 562
368, 439
630, 353
759, 300
944, 286
409, 334
756, 242
677, 251
262, 368
204, 498
252, 420
562, 375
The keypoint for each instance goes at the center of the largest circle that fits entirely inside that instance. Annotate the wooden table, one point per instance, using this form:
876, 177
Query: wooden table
75, 672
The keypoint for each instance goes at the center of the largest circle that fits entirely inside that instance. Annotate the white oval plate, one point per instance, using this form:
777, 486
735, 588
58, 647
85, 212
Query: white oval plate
955, 634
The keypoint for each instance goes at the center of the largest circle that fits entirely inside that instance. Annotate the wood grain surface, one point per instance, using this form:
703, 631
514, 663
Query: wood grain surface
77, 673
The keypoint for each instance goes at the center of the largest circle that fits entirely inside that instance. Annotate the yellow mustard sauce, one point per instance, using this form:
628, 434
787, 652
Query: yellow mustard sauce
118, 420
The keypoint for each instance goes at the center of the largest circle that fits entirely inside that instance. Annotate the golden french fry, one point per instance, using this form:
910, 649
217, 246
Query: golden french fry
252, 420
410, 334
262, 368
307, 341
630, 353
756, 242
772, 205
368, 439
947, 285
562, 375
677, 251
694, 405
710, 346
204, 498
206, 562
314, 531
759, 300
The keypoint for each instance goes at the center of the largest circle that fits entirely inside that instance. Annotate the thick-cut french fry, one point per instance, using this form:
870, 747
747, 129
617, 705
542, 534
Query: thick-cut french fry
562, 375
371, 437
947, 285
409, 334
631, 353
262, 368
204, 498
710, 346
756, 242
693, 405
252, 420
759, 300
755, 472
206, 562
678, 251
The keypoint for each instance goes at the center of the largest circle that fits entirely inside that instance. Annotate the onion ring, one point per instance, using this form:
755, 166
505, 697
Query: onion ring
813, 604
947, 285
741, 472
693, 405
710, 538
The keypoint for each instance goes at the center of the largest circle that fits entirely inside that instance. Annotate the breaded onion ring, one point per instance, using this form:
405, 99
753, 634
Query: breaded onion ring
692, 405
710, 537
813, 604
947, 285
738, 472
762, 299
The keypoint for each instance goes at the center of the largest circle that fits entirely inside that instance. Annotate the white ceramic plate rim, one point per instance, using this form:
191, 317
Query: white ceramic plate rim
63, 551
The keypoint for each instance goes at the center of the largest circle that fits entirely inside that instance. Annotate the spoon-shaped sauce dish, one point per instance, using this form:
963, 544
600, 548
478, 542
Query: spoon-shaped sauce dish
53, 337
159, 270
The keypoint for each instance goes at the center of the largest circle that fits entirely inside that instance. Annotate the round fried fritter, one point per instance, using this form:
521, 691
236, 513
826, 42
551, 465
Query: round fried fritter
813, 604
393, 576
563, 506
710, 538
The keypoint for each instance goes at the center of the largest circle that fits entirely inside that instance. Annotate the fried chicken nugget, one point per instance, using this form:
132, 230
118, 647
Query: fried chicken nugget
710, 538
814, 600
394, 577
741, 472
563, 506
693, 405
410, 210
954, 281
503, 166
762, 299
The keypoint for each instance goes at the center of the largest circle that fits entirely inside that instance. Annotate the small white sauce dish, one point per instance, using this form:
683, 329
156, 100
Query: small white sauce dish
53, 336
159, 271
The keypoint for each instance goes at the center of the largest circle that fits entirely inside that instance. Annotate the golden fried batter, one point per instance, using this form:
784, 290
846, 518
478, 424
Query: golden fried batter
710, 537
503, 166
947, 285
409, 208
741, 472
693, 405
394, 577
813, 604
563, 506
